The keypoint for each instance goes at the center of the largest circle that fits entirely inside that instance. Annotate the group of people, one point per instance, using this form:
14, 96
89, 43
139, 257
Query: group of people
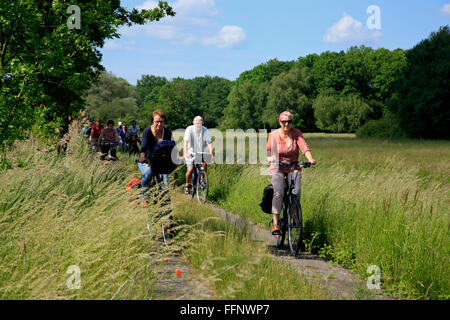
196, 139
109, 138
284, 144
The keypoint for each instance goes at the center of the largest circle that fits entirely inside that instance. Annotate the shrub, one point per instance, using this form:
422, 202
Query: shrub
386, 127
340, 114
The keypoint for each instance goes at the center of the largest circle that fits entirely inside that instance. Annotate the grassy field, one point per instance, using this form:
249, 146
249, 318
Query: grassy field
239, 267
60, 213
368, 202
66, 215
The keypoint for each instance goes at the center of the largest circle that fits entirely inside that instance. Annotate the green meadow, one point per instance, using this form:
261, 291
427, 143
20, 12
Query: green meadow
367, 202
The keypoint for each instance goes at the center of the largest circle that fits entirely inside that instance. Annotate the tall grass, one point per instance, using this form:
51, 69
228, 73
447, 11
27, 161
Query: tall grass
368, 202
73, 210
239, 267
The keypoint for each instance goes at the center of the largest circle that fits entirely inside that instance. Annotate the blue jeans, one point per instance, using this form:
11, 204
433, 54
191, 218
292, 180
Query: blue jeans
147, 176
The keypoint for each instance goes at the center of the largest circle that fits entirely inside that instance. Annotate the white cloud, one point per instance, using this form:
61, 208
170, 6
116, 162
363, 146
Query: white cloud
119, 45
349, 30
446, 9
192, 19
228, 37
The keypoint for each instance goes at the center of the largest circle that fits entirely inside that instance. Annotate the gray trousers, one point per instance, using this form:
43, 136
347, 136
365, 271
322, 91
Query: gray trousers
277, 179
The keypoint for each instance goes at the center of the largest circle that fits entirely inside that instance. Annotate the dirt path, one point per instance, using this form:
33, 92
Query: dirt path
340, 282
189, 285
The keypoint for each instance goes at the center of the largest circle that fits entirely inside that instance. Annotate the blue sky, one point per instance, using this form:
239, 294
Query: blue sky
226, 37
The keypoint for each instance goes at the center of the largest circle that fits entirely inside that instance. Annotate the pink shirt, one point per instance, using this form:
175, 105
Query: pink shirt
282, 151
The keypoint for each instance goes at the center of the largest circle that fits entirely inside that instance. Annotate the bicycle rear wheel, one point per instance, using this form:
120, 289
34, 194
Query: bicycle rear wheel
295, 227
202, 186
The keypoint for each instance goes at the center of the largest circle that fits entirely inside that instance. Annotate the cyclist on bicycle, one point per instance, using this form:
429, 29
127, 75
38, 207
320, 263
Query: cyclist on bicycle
96, 129
133, 136
283, 145
196, 139
109, 139
150, 138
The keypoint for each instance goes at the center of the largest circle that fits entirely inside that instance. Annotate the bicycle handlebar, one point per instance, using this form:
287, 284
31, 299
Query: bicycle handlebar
294, 163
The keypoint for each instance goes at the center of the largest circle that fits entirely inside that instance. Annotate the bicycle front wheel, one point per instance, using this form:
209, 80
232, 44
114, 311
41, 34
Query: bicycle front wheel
282, 225
202, 187
295, 227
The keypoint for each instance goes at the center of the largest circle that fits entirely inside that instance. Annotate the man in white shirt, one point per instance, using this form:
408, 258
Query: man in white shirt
196, 139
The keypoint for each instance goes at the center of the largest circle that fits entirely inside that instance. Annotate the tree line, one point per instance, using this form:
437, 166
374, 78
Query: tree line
382, 93
49, 73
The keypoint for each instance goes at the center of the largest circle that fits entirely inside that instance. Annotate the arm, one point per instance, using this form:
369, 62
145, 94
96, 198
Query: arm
304, 148
100, 137
185, 149
269, 148
144, 147
211, 151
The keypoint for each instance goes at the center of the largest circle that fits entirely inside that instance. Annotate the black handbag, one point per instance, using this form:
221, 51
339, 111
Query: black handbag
266, 202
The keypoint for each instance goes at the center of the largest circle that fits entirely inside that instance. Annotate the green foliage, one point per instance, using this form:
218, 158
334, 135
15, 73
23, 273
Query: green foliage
386, 127
175, 99
340, 114
290, 91
145, 86
245, 105
264, 72
111, 98
368, 202
210, 98
422, 99
45, 67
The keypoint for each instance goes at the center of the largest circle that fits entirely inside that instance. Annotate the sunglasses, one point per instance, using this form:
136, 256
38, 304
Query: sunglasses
160, 121
286, 121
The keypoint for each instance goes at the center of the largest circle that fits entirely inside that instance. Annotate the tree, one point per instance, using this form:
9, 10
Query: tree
422, 99
242, 111
265, 71
212, 99
145, 86
111, 98
175, 99
290, 91
45, 67
340, 114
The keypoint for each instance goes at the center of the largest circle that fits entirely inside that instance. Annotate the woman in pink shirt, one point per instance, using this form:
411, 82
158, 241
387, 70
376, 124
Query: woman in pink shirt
283, 145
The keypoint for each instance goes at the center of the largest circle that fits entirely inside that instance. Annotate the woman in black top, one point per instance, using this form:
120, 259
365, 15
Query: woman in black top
150, 137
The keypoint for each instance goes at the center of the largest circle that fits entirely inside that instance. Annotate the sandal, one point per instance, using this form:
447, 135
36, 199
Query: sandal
187, 189
276, 231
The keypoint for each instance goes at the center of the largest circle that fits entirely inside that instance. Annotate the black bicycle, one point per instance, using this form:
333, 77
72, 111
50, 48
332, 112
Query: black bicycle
292, 220
200, 185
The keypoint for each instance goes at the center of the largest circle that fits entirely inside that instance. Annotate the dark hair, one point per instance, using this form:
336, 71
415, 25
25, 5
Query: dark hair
158, 112
110, 122
133, 121
99, 120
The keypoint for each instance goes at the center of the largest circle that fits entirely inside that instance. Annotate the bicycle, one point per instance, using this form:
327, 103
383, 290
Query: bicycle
200, 186
110, 147
292, 220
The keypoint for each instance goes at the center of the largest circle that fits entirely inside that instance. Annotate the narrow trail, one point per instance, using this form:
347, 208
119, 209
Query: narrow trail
189, 285
340, 282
